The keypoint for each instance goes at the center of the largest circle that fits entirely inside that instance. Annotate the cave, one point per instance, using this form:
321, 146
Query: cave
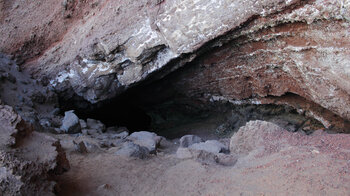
159, 106
180, 97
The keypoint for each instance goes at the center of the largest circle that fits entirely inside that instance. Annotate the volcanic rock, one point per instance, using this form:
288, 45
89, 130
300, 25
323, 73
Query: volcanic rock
146, 139
188, 140
130, 149
29, 159
212, 146
70, 123
254, 136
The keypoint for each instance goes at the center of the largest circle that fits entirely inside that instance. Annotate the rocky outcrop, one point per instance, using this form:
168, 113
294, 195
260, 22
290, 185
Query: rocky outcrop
260, 139
31, 100
243, 49
29, 160
112, 48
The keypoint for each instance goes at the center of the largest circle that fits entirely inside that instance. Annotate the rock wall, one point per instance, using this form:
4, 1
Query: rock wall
29, 160
242, 49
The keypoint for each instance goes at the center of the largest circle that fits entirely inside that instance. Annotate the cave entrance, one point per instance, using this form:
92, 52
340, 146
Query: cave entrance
122, 112
159, 106
172, 114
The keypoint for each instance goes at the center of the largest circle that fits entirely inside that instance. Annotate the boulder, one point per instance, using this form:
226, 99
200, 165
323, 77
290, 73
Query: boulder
188, 140
129, 149
254, 136
70, 123
146, 139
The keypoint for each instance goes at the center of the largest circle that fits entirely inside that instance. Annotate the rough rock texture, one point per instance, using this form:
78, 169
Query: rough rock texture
70, 123
130, 149
188, 140
253, 135
112, 48
206, 157
212, 146
245, 49
28, 160
34, 102
95, 124
146, 139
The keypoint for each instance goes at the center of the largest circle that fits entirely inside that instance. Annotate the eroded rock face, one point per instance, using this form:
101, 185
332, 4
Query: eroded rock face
309, 60
244, 49
28, 160
120, 49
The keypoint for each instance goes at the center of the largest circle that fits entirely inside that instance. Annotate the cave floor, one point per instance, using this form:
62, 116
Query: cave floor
319, 168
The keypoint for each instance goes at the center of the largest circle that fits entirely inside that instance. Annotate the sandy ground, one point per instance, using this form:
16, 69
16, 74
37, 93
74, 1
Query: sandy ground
316, 164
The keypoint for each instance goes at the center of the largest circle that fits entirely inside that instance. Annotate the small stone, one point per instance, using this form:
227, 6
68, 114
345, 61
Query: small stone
95, 124
70, 123
45, 122
188, 140
106, 144
80, 147
206, 157
130, 149
92, 132
84, 131
83, 124
212, 146
146, 139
